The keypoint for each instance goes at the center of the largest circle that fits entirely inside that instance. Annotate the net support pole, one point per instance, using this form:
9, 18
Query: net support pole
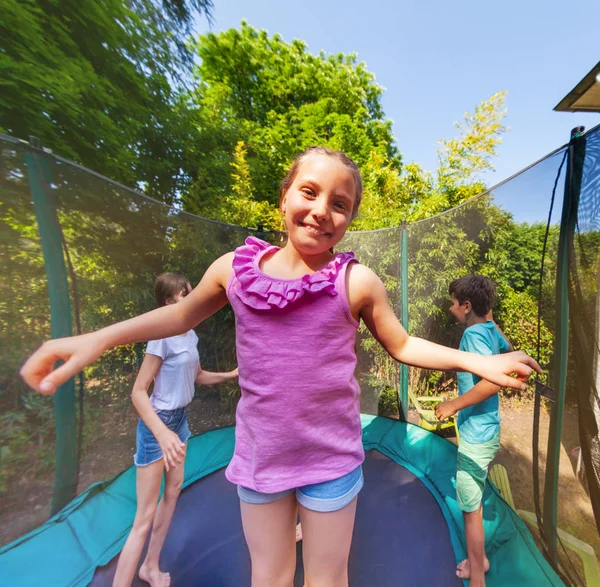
38, 176
576, 156
403, 387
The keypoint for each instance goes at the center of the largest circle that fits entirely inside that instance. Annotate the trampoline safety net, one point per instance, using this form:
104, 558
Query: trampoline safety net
80, 252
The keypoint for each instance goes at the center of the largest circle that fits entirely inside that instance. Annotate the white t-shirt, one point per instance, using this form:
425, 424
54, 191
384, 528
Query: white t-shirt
174, 382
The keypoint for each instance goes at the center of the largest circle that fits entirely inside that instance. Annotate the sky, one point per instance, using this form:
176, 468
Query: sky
439, 59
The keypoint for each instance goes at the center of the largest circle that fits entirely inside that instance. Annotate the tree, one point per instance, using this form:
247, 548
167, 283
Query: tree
240, 207
412, 193
278, 99
96, 81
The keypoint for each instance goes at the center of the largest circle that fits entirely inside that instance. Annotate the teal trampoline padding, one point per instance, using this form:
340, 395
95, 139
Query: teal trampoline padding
92, 529
515, 559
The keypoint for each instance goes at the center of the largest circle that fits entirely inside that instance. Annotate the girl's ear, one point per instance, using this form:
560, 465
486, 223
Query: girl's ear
283, 202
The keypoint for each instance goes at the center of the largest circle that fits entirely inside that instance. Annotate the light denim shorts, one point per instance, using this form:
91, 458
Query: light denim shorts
147, 449
328, 496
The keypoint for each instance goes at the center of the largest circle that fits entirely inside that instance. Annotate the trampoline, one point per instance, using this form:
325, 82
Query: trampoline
408, 528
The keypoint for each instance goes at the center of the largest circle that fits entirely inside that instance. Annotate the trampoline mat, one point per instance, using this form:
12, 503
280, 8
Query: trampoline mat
400, 535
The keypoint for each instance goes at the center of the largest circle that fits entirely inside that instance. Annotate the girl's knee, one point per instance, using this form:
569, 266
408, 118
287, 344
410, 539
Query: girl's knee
270, 577
143, 520
172, 490
339, 578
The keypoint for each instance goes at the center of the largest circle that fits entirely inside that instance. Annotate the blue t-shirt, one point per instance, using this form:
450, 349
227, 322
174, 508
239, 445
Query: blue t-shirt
480, 422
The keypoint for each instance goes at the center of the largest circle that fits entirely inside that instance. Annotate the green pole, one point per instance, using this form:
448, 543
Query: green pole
403, 391
568, 219
65, 475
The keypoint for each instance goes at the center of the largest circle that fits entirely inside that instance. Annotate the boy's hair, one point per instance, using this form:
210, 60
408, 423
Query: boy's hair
477, 289
287, 181
168, 285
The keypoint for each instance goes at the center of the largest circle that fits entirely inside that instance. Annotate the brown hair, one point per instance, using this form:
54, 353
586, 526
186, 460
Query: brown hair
287, 181
168, 285
477, 289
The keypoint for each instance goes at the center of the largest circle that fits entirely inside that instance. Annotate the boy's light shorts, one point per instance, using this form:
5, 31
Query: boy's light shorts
472, 464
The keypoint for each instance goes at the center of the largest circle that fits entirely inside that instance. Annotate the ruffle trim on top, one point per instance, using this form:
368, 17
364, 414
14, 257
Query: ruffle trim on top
261, 292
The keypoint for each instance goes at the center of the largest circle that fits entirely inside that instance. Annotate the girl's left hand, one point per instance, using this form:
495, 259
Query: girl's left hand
499, 368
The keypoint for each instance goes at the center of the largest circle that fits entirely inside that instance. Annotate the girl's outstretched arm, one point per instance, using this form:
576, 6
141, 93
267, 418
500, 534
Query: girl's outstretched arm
369, 300
78, 352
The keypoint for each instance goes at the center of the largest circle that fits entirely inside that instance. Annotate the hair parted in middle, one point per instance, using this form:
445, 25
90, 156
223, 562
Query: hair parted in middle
287, 181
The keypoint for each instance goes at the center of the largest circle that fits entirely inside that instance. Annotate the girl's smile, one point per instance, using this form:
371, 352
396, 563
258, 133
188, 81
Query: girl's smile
319, 203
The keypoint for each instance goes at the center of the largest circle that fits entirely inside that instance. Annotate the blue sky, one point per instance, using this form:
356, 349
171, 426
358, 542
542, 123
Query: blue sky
439, 59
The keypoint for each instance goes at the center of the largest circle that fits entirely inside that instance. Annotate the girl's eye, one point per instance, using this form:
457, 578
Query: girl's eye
342, 205
308, 192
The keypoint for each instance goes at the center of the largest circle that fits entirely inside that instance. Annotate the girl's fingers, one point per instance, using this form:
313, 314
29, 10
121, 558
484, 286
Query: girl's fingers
513, 383
172, 460
56, 378
37, 367
523, 371
526, 360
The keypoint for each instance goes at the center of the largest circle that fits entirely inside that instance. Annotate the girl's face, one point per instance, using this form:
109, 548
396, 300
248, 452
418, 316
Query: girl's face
179, 296
318, 206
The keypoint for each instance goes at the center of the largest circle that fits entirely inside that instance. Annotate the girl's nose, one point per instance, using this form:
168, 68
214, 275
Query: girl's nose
320, 209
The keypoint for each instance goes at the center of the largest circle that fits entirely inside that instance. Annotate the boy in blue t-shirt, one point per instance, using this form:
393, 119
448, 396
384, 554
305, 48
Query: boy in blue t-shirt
478, 416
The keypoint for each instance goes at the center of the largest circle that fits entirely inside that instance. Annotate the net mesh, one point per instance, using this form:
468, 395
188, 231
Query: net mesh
116, 241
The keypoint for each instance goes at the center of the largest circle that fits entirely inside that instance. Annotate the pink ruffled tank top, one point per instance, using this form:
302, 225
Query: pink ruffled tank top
298, 419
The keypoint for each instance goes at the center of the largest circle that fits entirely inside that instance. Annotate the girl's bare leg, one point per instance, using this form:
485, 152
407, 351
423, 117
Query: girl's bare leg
150, 571
148, 480
326, 540
271, 536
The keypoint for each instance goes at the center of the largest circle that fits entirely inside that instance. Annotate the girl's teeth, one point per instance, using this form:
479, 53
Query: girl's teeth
313, 230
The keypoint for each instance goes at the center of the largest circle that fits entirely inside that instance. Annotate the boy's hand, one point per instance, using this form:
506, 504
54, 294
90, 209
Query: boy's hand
172, 448
445, 410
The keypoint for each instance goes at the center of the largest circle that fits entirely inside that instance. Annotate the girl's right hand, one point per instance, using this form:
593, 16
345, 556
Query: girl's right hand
172, 448
77, 352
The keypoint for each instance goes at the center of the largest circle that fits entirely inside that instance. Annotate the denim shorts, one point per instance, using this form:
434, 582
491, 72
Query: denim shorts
328, 496
147, 448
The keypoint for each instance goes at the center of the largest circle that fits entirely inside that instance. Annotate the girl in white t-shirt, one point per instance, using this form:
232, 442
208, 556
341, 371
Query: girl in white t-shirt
173, 363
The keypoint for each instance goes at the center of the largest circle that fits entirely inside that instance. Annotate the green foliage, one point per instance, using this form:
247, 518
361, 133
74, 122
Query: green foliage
277, 98
26, 431
92, 80
518, 312
240, 207
413, 194
463, 158
388, 403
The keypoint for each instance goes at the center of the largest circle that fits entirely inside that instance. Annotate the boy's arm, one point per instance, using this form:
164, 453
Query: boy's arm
477, 394
490, 317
